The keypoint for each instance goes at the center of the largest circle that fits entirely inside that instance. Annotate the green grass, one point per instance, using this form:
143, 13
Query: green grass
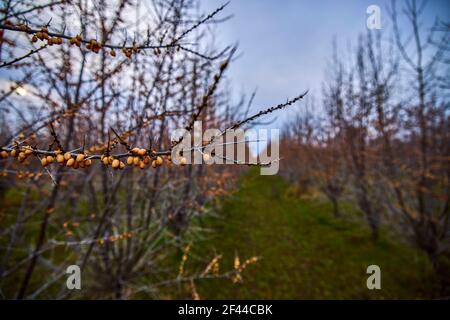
305, 252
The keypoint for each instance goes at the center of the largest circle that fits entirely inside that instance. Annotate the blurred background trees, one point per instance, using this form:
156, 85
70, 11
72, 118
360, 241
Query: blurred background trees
381, 140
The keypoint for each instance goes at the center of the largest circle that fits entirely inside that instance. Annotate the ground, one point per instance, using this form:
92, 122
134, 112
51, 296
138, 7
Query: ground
305, 252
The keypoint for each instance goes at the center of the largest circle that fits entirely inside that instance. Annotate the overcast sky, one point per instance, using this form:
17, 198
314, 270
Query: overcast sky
285, 44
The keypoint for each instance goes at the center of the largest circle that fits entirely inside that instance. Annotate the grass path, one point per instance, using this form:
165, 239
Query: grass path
305, 252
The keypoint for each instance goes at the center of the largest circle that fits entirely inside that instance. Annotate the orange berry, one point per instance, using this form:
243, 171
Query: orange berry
80, 157
70, 162
115, 164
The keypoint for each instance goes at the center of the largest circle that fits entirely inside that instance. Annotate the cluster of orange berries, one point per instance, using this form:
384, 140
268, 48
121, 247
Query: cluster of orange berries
43, 35
20, 153
23, 174
66, 226
76, 40
213, 267
184, 259
67, 159
22, 26
27, 174
128, 52
113, 162
94, 46
238, 267
113, 238
141, 159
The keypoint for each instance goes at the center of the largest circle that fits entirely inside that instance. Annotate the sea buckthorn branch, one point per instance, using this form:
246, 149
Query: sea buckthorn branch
122, 142
267, 111
199, 23
53, 38
135, 156
91, 44
74, 159
55, 138
30, 53
100, 241
201, 55
247, 120
210, 272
